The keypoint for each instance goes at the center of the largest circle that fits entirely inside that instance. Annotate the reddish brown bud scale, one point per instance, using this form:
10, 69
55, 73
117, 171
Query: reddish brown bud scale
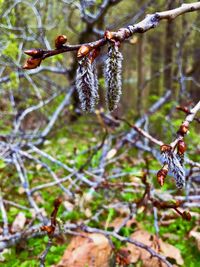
34, 53
57, 202
165, 148
161, 175
184, 109
32, 63
186, 216
108, 35
60, 41
48, 228
94, 54
181, 146
183, 129
83, 51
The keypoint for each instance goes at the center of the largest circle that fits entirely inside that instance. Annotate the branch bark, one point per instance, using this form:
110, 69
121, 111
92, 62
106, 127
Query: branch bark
149, 22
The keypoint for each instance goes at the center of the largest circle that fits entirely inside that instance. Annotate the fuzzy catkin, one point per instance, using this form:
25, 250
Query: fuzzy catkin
113, 76
170, 158
87, 84
96, 85
180, 157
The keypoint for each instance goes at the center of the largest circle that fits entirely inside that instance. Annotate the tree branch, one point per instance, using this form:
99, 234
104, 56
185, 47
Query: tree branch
149, 22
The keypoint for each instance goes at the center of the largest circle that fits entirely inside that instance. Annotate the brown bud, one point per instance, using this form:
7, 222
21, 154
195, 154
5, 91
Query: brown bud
57, 202
108, 35
60, 41
83, 51
32, 63
184, 109
94, 54
181, 146
48, 228
161, 175
165, 148
34, 52
178, 203
183, 129
186, 216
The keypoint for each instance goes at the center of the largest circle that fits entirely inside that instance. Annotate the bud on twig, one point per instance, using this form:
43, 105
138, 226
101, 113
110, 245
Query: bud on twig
60, 41
184, 109
83, 51
113, 79
36, 53
32, 63
161, 175
94, 54
109, 35
165, 148
186, 216
183, 129
181, 146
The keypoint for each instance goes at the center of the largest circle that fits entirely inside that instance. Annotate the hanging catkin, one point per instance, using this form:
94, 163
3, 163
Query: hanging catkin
113, 76
87, 84
170, 158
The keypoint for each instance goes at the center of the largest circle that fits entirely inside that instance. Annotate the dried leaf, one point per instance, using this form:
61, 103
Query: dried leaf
146, 238
68, 205
111, 153
196, 236
90, 250
19, 222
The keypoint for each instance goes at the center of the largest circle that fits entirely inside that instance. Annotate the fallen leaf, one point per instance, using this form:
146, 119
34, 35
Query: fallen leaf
21, 190
3, 252
41, 210
111, 153
196, 236
90, 250
68, 205
18, 223
137, 253
116, 223
38, 198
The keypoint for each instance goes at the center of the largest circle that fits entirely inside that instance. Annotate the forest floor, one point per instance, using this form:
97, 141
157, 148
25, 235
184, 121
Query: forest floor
71, 145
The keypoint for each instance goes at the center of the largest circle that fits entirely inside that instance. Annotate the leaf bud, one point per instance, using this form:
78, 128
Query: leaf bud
32, 63
108, 35
94, 54
186, 216
57, 202
165, 148
83, 51
60, 41
161, 175
183, 129
181, 146
34, 53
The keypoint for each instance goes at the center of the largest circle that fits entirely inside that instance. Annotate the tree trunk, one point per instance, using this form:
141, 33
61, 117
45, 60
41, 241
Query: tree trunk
168, 50
194, 89
141, 72
156, 54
